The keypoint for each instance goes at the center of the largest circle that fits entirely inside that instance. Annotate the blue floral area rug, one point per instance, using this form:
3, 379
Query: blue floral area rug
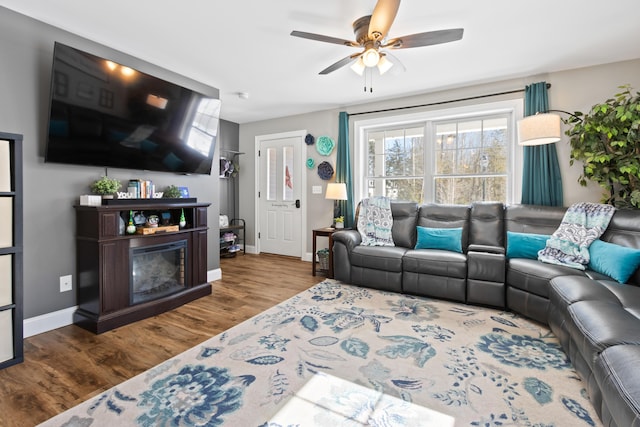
339, 355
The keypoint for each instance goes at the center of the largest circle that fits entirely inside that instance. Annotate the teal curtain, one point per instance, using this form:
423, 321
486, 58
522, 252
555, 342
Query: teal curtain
343, 169
541, 180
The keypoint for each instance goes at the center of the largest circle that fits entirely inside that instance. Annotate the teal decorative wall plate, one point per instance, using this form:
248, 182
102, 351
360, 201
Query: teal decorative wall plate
310, 163
325, 145
325, 170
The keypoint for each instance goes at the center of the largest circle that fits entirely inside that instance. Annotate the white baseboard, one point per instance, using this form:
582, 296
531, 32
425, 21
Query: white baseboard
307, 257
48, 322
213, 275
250, 250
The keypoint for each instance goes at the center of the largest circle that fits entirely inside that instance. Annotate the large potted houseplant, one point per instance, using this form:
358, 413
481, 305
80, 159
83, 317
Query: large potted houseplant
607, 141
106, 187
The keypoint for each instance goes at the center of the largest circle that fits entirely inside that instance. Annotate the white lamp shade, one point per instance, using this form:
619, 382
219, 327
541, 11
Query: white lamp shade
358, 66
336, 191
539, 129
384, 65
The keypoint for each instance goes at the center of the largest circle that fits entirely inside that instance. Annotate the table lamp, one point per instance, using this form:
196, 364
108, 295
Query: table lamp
336, 191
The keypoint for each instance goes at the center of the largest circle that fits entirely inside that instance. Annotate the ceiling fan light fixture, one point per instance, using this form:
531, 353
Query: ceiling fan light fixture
371, 35
384, 64
358, 66
370, 57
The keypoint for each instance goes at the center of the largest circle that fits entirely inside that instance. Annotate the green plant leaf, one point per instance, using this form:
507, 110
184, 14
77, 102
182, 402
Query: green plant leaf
607, 142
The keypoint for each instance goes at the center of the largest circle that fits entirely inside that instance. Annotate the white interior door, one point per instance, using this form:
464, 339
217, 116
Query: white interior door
280, 194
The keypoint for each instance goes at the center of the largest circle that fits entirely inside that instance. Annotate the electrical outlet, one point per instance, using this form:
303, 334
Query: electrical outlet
66, 283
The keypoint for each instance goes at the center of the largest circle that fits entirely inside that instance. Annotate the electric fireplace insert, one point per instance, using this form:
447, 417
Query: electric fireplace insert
157, 271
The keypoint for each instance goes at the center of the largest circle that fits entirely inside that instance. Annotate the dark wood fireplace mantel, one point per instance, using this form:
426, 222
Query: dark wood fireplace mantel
103, 261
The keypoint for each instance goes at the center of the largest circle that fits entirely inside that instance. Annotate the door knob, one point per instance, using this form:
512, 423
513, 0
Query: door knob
298, 203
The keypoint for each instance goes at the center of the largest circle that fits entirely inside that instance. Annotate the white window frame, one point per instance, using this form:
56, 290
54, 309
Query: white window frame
382, 166
513, 108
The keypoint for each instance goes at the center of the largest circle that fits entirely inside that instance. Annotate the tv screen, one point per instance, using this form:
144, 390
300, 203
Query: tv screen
107, 114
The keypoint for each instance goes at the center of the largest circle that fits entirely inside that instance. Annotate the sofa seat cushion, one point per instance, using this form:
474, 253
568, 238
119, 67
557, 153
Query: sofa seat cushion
597, 325
533, 276
387, 258
617, 374
566, 290
436, 262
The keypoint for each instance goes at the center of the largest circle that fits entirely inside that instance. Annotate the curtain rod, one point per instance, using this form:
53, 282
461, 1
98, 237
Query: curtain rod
443, 102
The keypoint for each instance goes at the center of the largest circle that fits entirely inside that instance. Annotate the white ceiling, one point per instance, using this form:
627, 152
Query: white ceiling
245, 46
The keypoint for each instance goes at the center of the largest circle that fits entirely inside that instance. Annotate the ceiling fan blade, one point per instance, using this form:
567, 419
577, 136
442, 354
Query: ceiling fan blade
382, 17
344, 61
425, 39
322, 38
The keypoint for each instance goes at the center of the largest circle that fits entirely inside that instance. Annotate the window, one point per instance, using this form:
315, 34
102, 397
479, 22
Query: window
453, 156
396, 163
471, 158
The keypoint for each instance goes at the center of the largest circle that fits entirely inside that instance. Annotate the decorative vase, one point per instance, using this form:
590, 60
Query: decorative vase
183, 221
339, 224
131, 228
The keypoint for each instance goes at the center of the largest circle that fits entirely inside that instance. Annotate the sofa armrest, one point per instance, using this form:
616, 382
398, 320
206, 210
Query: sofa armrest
486, 277
486, 248
349, 238
344, 242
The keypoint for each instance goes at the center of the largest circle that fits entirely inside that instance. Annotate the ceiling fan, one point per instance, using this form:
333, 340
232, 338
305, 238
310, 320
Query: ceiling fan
371, 32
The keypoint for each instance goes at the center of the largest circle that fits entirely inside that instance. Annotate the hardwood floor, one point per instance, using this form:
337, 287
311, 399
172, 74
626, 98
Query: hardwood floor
66, 366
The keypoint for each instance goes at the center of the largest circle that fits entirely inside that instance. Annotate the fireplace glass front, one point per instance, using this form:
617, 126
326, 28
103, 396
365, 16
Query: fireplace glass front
157, 271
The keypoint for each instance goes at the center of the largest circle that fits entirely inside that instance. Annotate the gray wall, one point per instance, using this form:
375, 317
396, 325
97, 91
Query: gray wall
572, 90
51, 190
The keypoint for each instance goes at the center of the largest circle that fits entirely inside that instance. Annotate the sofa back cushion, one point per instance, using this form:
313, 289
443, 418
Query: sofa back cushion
446, 216
533, 219
487, 224
404, 223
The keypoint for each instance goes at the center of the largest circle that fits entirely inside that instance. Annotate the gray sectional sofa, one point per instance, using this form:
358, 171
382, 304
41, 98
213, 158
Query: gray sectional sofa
596, 318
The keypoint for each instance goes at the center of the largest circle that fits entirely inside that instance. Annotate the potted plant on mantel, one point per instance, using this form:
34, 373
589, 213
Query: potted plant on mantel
106, 187
607, 141
171, 192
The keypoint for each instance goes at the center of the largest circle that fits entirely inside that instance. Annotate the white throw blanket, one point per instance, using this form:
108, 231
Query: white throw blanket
375, 222
582, 224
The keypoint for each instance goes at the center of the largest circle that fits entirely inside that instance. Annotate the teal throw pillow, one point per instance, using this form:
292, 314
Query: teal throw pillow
448, 239
525, 245
618, 262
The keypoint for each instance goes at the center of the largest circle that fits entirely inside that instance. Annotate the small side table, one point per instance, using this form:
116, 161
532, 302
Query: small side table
323, 232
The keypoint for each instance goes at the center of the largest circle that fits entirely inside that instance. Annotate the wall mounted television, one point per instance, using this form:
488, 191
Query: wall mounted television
106, 114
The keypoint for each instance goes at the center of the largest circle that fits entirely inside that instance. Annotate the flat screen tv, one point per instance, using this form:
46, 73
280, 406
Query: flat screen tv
103, 113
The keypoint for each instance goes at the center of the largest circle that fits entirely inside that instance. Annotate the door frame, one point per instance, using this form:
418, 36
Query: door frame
300, 134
